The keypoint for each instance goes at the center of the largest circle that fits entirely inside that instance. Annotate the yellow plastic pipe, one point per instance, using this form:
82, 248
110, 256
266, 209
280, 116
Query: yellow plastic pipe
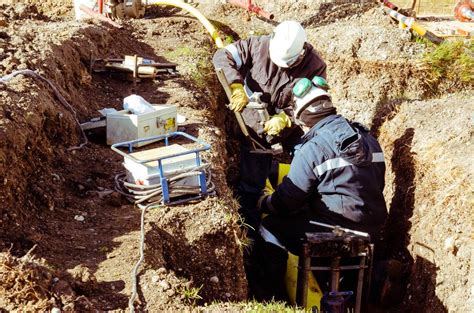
193, 11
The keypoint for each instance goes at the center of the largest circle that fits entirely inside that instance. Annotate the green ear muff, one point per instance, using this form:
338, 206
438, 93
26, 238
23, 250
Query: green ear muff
320, 82
302, 87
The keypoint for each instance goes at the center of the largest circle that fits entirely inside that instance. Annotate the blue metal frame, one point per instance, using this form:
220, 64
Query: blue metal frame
163, 179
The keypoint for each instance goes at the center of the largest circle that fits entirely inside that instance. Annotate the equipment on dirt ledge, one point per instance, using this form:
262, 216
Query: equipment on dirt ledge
252, 120
133, 67
156, 176
125, 8
389, 4
411, 24
125, 126
464, 11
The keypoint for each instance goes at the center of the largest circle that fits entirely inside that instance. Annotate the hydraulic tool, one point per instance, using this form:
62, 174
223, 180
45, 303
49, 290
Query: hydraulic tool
252, 120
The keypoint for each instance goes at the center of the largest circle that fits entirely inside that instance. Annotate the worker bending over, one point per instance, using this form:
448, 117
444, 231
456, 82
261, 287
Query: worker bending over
336, 177
271, 65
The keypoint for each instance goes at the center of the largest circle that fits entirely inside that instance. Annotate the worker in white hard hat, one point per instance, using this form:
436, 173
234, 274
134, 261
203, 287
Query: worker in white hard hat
269, 64
336, 177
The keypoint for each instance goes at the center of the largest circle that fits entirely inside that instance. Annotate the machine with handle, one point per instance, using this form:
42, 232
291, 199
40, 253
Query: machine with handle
252, 120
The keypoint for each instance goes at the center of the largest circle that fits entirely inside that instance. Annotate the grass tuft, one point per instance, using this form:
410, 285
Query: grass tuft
451, 61
191, 294
272, 306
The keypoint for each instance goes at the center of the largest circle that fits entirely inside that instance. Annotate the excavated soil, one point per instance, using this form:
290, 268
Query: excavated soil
86, 237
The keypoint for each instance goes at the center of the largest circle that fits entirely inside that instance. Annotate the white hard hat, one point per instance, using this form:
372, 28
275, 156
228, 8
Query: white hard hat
304, 102
287, 43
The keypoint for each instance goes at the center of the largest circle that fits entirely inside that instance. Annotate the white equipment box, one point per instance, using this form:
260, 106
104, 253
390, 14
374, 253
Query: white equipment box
148, 173
123, 126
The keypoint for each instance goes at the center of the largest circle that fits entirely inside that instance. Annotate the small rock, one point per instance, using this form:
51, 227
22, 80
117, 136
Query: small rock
450, 245
104, 193
214, 279
79, 218
82, 274
155, 279
228, 295
55, 310
64, 291
170, 292
114, 199
164, 284
161, 271
80, 187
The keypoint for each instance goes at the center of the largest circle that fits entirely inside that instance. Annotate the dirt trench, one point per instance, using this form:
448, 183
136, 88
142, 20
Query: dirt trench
375, 77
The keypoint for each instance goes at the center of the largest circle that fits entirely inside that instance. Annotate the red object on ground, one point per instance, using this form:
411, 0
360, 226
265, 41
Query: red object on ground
101, 6
247, 4
389, 5
97, 15
464, 11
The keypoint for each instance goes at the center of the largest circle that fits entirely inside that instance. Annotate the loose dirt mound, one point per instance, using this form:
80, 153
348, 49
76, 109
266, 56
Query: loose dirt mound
28, 284
63, 201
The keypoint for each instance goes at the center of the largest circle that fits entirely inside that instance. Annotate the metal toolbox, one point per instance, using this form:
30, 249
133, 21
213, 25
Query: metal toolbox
123, 126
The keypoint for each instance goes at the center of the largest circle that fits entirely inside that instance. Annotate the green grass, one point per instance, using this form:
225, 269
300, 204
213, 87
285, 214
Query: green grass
201, 72
452, 61
191, 294
180, 52
195, 63
264, 307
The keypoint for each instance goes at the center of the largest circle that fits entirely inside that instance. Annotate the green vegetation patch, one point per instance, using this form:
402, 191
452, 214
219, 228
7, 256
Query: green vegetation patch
269, 307
194, 63
451, 61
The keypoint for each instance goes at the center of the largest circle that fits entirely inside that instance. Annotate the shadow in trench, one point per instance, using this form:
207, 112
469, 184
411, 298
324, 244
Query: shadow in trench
401, 207
384, 111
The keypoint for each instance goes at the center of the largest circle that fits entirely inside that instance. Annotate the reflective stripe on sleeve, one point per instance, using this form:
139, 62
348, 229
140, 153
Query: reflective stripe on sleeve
248, 92
340, 162
269, 237
377, 157
235, 54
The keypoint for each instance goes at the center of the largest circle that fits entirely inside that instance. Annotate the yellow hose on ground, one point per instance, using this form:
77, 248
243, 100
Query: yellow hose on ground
193, 11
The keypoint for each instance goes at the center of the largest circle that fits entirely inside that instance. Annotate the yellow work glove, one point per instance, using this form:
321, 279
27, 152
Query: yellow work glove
238, 99
276, 124
262, 203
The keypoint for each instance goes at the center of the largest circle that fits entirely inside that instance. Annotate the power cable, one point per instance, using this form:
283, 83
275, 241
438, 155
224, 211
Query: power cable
153, 197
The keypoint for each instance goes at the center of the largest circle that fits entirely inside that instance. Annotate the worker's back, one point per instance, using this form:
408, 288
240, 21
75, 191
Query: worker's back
350, 169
